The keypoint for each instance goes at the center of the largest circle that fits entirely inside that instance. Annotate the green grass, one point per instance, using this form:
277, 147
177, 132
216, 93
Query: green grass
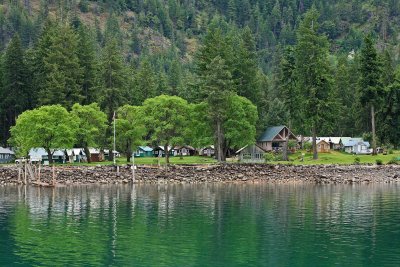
154, 161
336, 157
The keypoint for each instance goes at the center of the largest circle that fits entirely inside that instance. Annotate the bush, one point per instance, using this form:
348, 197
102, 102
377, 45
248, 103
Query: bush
378, 162
357, 160
394, 160
390, 151
269, 157
307, 146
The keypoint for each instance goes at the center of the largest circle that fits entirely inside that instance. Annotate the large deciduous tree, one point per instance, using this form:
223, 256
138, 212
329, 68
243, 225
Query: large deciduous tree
130, 128
166, 119
50, 127
92, 123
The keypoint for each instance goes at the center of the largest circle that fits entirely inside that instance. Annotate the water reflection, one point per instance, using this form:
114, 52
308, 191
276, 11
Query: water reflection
200, 225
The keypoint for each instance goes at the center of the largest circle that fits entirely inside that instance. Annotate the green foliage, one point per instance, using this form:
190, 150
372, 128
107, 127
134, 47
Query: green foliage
269, 157
378, 162
50, 127
130, 128
92, 123
357, 160
166, 119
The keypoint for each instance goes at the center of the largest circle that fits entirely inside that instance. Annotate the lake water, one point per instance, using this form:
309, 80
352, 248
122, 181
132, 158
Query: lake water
200, 225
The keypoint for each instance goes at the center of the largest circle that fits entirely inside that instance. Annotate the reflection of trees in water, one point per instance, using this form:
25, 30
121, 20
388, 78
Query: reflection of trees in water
165, 225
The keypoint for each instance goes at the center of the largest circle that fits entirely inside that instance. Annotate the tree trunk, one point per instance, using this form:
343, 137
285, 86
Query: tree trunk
87, 153
128, 151
285, 149
219, 142
314, 142
166, 153
373, 130
49, 155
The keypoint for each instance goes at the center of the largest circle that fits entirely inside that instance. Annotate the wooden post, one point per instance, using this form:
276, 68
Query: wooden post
38, 177
25, 173
54, 176
133, 168
19, 173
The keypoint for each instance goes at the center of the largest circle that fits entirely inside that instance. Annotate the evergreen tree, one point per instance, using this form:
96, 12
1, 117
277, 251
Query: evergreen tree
113, 79
15, 94
313, 73
370, 85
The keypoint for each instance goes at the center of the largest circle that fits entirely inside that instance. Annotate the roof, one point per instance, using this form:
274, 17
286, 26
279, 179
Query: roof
145, 148
271, 132
6, 151
162, 148
351, 141
333, 140
322, 141
94, 151
40, 151
75, 151
257, 146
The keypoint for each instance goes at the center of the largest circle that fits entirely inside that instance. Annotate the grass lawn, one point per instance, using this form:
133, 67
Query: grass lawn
336, 157
154, 161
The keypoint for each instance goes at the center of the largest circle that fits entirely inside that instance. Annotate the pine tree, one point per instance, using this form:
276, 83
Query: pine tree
145, 82
15, 94
370, 85
113, 79
313, 73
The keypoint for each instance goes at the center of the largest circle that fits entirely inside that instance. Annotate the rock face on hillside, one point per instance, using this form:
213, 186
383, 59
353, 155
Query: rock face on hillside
322, 174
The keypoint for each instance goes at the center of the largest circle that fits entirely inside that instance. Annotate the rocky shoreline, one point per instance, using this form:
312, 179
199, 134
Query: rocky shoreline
316, 174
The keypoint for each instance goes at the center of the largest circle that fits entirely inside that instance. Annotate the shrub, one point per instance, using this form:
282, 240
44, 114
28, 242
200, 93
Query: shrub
269, 157
378, 162
307, 146
390, 151
357, 160
394, 160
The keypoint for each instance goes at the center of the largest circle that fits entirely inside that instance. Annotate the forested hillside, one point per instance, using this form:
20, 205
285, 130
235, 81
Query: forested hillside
117, 52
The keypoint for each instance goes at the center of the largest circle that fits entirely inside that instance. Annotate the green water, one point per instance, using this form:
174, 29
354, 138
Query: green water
200, 225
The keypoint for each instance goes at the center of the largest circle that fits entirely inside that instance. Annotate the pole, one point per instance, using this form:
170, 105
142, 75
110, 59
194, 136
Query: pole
133, 168
114, 141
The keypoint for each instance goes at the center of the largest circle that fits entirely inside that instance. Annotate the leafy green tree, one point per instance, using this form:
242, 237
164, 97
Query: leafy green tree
130, 128
166, 118
313, 72
50, 127
92, 123
370, 86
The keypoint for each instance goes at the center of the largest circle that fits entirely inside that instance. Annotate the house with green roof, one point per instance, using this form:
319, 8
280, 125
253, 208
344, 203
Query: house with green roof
143, 151
274, 138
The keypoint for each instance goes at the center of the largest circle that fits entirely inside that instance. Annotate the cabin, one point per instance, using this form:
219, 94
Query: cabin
40, 155
108, 156
96, 155
347, 143
207, 151
334, 142
159, 151
6, 155
274, 138
143, 151
75, 155
184, 151
323, 146
362, 148
251, 154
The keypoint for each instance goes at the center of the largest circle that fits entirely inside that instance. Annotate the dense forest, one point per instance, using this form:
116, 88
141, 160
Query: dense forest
321, 67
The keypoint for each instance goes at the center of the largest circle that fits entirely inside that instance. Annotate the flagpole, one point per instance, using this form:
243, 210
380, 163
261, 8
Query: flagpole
114, 142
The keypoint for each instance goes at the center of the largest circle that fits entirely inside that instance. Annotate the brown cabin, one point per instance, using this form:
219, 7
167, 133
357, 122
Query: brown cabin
274, 138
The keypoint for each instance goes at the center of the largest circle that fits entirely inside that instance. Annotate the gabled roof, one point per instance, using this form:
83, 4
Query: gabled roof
40, 151
257, 146
351, 141
271, 132
145, 148
6, 151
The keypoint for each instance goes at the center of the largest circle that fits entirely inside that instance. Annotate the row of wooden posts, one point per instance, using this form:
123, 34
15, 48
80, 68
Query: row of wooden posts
34, 172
